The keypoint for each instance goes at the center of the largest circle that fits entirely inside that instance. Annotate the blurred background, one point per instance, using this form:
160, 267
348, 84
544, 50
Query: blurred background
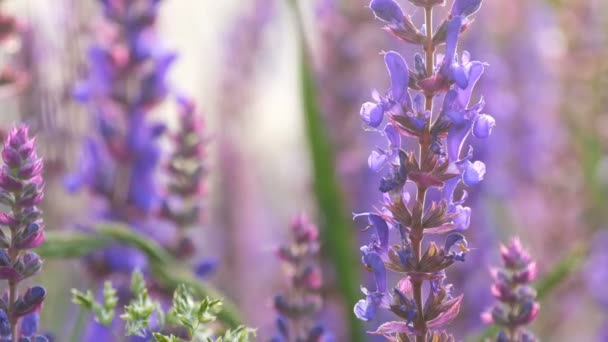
269, 158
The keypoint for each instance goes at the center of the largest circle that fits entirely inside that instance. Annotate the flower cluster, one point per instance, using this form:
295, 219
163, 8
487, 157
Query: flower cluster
186, 174
439, 166
297, 309
517, 306
21, 190
127, 80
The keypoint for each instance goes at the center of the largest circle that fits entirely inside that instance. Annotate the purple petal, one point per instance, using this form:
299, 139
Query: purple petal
374, 262
393, 136
474, 71
398, 71
366, 309
376, 161
482, 128
463, 220
459, 75
388, 11
372, 114
448, 315
392, 328
465, 7
473, 173
451, 42
381, 230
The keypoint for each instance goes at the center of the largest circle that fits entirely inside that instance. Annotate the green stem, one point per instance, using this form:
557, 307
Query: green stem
166, 270
337, 232
78, 327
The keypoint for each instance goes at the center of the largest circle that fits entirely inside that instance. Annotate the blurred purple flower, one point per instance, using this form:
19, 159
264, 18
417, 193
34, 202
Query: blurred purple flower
516, 305
299, 307
21, 190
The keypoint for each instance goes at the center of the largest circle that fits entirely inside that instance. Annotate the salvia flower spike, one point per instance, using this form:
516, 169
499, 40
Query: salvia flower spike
405, 110
297, 309
21, 190
186, 170
517, 306
127, 79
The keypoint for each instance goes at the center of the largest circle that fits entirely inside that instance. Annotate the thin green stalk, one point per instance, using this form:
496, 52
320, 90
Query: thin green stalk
165, 269
337, 232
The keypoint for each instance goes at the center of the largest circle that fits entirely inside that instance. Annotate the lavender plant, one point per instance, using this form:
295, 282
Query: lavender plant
21, 190
186, 173
516, 305
297, 309
190, 318
439, 164
127, 80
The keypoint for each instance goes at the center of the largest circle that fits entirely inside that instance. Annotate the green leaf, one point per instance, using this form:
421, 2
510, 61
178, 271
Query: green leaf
140, 309
104, 312
240, 334
163, 338
86, 300
167, 271
138, 284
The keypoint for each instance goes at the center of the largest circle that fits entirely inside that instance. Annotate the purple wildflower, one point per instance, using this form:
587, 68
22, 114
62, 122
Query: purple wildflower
516, 305
120, 163
298, 308
439, 164
186, 172
21, 190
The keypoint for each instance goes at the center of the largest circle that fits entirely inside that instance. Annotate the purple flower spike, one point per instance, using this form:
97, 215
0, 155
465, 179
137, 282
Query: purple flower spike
22, 187
516, 305
299, 307
437, 162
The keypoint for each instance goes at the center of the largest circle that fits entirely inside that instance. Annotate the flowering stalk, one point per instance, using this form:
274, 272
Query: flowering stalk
21, 190
438, 164
127, 80
186, 174
120, 163
297, 310
516, 305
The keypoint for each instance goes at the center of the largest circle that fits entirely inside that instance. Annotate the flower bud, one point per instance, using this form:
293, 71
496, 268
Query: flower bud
482, 128
388, 11
473, 173
30, 301
372, 114
31, 237
28, 265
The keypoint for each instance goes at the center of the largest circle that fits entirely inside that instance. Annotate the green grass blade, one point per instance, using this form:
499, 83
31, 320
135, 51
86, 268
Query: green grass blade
165, 269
